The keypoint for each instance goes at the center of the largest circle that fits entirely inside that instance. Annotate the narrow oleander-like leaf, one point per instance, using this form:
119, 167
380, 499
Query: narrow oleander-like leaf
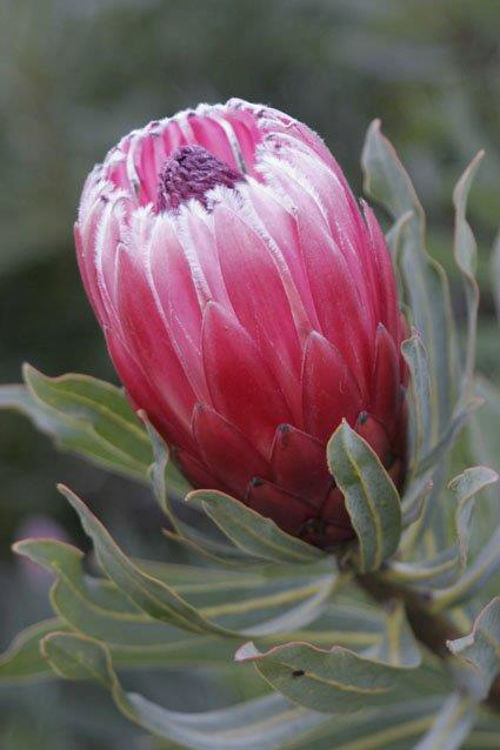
269, 723
466, 486
461, 414
266, 723
398, 646
421, 401
18, 398
386, 180
372, 730
433, 529
434, 572
163, 474
395, 242
473, 579
415, 509
95, 608
415, 497
261, 601
164, 477
209, 545
465, 251
480, 650
395, 234
154, 597
484, 445
22, 660
372, 500
451, 726
67, 432
251, 532
331, 681
84, 415
353, 625
74, 657
251, 603
427, 293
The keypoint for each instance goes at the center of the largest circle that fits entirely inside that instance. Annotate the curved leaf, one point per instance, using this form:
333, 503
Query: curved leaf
207, 600
422, 423
371, 498
484, 567
451, 726
328, 681
398, 647
466, 486
434, 572
465, 251
480, 650
266, 723
22, 660
425, 281
155, 598
251, 532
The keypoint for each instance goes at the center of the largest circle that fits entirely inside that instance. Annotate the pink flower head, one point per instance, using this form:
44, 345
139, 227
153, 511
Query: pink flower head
248, 306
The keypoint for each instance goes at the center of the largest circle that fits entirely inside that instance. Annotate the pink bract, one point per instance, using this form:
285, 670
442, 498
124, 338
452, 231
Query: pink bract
248, 306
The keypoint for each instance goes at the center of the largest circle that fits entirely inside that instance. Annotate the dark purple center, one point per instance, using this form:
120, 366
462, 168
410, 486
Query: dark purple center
190, 172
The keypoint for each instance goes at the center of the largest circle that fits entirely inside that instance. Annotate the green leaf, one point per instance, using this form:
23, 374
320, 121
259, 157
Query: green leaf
76, 658
84, 415
484, 445
465, 256
22, 660
415, 497
425, 281
370, 729
153, 597
258, 603
480, 650
251, 532
473, 579
420, 385
268, 723
213, 600
331, 681
371, 498
466, 486
355, 625
451, 726
461, 414
95, 608
398, 647
394, 236
433, 572
265, 723
163, 475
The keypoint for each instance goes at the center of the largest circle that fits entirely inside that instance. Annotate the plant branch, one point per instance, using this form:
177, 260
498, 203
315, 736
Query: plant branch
430, 628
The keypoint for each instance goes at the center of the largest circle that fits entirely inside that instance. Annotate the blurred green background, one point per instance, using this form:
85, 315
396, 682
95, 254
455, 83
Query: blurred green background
77, 74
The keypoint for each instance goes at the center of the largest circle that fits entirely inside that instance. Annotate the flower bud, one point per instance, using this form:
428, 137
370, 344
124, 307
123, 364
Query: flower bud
248, 306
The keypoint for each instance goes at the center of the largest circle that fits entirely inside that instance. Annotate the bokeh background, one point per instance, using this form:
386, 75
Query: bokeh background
77, 74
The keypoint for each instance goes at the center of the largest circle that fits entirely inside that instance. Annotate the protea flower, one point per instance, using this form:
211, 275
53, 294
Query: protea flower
248, 306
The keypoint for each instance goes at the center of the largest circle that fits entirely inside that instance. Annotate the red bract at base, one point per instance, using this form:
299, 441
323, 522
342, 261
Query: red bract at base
248, 306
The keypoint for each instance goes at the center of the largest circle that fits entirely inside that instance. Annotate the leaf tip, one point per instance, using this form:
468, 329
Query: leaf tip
246, 652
